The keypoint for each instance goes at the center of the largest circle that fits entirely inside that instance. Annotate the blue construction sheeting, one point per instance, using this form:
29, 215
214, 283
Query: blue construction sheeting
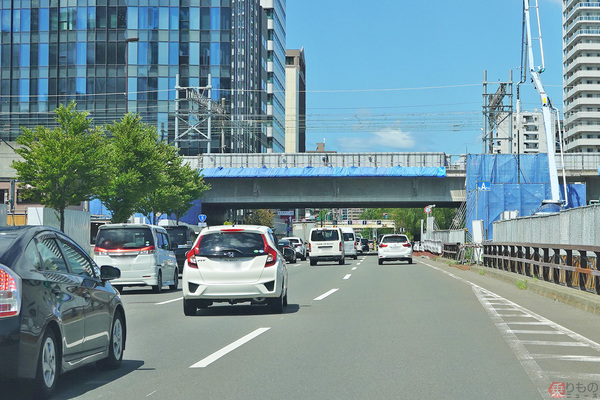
312, 172
505, 192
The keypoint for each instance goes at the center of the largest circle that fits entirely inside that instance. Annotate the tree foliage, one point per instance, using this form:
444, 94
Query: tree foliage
134, 166
63, 166
260, 217
179, 185
409, 219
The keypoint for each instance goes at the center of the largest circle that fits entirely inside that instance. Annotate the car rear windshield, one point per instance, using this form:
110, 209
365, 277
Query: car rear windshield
348, 237
178, 234
232, 244
324, 235
124, 238
294, 240
395, 239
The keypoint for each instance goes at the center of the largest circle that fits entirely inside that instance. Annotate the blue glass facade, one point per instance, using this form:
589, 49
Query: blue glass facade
114, 56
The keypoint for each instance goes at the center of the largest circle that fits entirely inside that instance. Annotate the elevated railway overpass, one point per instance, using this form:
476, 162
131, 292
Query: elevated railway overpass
367, 180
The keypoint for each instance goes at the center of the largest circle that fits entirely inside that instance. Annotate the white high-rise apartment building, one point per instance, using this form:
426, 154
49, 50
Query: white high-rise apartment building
581, 75
528, 135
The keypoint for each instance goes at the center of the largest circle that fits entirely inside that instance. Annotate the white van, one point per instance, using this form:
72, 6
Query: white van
350, 242
326, 244
142, 252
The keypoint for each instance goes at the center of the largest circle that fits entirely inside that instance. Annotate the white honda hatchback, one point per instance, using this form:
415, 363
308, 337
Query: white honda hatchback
234, 264
394, 247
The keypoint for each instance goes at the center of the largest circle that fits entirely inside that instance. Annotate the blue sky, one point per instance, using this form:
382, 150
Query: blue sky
394, 75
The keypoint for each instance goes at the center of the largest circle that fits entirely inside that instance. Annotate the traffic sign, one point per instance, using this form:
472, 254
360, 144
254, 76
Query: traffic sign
285, 213
427, 210
202, 217
484, 186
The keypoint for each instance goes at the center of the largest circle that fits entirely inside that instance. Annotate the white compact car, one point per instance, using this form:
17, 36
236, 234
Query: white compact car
142, 252
393, 248
234, 264
299, 246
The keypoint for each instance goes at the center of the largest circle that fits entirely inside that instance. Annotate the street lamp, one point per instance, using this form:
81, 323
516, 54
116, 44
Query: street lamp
127, 41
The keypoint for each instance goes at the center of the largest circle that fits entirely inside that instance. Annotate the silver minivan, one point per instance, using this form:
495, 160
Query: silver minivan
142, 252
350, 242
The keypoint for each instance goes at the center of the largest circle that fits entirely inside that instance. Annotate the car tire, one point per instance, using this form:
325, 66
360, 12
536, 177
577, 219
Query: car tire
175, 280
48, 366
159, 284
410, 261
356, 257
117, 344
285, 301
380, 261
313, 262
189, 307
276, 304
342, 261
303, 258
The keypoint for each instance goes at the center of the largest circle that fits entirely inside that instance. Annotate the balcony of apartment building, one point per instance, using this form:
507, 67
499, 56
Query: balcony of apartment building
582, 91
580, 143
580, 115
582, 102
531, 138
575, 50
582, 61
573, 8
582, 74
577, 21
583, 130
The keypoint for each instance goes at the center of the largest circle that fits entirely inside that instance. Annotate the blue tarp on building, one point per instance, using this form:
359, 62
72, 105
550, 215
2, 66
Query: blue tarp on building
506, 192
299, 172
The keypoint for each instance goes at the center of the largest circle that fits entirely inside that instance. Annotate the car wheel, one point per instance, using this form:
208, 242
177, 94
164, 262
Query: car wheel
342, 261
294, 260
175, 280
356, 257
380, 261
410, 261
48, 366
303, 258
159, 284
117, 344
276, 304
285, 302
189, 307
313, 262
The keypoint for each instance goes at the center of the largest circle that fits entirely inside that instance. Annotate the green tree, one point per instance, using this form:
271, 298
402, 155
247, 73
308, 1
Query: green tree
134, 166
260, 217
179, 185
409, 219
63, 166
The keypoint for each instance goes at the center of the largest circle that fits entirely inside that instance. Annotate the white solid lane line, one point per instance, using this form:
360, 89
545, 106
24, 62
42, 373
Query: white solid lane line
321, 297
168, 301
348, 276
229, 348
353, 268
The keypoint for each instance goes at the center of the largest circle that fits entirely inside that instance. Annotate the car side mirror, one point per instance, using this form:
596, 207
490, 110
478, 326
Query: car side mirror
108, 272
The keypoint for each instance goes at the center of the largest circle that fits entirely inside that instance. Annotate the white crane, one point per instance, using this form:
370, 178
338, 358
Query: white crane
554, 203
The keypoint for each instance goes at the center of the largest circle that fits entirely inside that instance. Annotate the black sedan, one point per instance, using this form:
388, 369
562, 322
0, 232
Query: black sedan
288, 250
58, 311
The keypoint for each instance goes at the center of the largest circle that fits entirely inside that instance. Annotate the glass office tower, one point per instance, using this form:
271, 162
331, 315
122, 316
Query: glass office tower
115, 56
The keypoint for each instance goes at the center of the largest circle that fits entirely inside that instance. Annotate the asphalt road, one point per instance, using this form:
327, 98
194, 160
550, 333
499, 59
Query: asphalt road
357, 331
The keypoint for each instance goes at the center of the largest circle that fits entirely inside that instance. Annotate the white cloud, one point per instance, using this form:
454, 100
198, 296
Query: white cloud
388, 139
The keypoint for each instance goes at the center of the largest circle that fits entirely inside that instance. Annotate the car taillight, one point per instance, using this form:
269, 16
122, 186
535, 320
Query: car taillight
10, 293
191, 255
100, 251
271, 253
406, 245
340, 246
148, 250
309, 247
383, 245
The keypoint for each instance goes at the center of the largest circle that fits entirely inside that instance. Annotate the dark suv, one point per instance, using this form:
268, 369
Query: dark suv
58, 311
184, 237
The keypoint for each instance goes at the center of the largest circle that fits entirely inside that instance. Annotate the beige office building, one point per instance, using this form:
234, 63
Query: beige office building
295, 101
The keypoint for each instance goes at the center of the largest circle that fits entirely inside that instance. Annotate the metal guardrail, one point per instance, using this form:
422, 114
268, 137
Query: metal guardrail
568, 265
